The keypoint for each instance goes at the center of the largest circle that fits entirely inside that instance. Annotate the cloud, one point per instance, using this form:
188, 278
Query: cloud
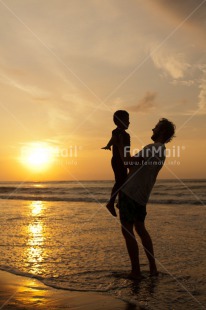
202, 93
181, 9
92, 31
171, 62
34, 91
200, 107
147, 103
187, 83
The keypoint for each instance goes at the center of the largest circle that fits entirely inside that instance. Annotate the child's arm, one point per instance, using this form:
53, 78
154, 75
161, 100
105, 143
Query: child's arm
109, 144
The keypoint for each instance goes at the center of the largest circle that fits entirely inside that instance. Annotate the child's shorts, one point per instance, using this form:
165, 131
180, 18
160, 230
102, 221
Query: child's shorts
130, 210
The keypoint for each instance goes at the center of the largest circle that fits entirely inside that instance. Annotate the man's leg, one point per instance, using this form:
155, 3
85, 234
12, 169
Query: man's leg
132, 248
148, 246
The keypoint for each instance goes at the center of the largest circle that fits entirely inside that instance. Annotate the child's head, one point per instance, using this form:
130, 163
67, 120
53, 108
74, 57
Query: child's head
121, 119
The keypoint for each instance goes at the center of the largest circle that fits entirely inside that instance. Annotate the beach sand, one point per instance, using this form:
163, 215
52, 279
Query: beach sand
17, 292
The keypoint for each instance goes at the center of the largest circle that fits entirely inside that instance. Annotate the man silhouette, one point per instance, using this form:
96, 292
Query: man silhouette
143, 170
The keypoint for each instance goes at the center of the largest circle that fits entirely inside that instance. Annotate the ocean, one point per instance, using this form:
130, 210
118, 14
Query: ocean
61, 234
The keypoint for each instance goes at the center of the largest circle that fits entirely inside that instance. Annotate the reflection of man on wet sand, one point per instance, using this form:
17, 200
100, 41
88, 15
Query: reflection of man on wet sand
144, 168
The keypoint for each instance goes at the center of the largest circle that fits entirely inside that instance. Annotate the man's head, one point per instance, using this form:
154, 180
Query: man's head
164, 131
121, 119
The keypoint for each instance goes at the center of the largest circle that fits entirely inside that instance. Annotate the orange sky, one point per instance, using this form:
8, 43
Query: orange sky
67, 66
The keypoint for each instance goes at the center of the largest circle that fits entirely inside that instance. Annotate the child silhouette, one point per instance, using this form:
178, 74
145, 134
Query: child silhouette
121, 120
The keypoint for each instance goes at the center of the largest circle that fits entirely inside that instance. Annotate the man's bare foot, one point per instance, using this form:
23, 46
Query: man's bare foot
154, 273
111, 209
135, 276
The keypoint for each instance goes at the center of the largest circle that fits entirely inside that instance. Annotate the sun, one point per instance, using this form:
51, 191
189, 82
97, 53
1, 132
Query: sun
37, 156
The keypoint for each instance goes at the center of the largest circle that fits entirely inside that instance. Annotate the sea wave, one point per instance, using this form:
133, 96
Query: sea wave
172, 201
83, 187
57, 282
20, 273
49, 198
171, 192
49, 190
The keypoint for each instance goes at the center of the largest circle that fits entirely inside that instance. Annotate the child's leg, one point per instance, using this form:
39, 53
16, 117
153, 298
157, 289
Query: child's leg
120, 173
115, 189
114, 193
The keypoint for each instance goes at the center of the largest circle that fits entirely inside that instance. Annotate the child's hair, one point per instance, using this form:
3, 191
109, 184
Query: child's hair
119, 116
168, 129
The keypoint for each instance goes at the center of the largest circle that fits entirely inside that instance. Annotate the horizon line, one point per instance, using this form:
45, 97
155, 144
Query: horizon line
93, 180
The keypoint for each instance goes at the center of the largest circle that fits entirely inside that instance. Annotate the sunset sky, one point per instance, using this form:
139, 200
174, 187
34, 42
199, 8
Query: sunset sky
67, 65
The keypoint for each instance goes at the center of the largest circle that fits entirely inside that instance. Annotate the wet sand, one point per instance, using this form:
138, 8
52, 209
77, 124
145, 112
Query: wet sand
17, 292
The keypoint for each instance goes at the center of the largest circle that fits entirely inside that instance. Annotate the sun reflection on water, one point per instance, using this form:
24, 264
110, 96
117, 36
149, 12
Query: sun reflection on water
35, 231
36, 237
36, 207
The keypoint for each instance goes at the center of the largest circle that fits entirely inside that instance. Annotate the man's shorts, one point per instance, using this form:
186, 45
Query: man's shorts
130, 210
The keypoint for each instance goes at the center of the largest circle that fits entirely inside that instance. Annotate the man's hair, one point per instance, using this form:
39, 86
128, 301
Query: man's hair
119, 116
168, 129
